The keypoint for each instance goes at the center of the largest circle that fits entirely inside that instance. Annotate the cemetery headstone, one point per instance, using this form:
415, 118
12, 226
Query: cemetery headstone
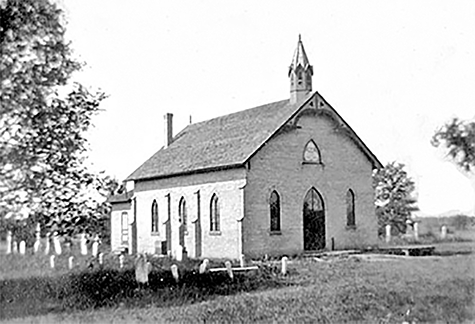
229, 269
51, 261
121, 261
48, 243
9, 242
204, 266
416, 231
284, 265
15, 247
95, 246
37, 244
57, 244
101, 258
83, 244
22, 247
175, 273
388, 233
443, 232
142, 269
71, 262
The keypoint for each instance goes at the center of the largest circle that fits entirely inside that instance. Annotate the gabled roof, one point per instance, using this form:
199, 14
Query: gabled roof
224, 142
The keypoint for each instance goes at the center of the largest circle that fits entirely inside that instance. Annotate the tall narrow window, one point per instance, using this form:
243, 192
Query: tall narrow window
350, 208
125, 227
214, 214
154, 217
311, 153
274, 204
182, 212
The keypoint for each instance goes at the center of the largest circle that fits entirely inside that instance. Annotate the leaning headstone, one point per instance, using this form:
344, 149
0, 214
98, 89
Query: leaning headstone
71, 262
229, 269
284, 265
142, 269
9, 242
37, 244
15, 247
388, 233
57, 244
95, 247
204, 266
22, 247
175, 273
416, 231
121, 261
443, 232
51, 261
242, 261
101, 258
83, 244
48, 244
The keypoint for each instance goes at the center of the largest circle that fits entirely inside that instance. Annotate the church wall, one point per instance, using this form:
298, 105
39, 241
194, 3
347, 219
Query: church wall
278, 166
226, 184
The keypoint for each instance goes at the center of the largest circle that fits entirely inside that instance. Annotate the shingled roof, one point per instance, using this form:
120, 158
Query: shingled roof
223, 142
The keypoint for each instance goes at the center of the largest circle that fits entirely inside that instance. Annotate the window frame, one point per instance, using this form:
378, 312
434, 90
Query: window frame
275, 225
308, 161
155, 226
214, 215
182, 213
350, 209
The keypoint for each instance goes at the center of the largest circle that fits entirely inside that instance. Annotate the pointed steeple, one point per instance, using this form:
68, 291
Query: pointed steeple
300, 73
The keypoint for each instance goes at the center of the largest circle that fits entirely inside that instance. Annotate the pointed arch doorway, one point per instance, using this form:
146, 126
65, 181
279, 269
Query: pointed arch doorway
313, 221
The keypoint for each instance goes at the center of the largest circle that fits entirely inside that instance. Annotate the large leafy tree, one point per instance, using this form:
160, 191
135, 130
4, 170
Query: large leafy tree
43, 121
458, 137
393, 197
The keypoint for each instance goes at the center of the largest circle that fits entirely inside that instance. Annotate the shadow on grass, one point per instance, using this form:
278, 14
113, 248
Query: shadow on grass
112, 288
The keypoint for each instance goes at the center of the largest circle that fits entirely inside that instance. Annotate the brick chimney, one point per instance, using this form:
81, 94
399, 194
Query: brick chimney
168, 129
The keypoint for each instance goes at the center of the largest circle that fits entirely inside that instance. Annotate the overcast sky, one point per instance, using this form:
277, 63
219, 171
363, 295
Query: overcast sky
395, 71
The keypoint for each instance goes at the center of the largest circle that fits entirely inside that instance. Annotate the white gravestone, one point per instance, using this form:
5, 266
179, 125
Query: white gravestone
229, 269
71, 262
95, 247
101, 258
175, 274
9, 242
15, 247
388, 233
416, 231
48, 244
204, 266
443, 232
284, 265
37, 244
142, 269
57, 244
121, 261
83, 244
22, 247
51, 261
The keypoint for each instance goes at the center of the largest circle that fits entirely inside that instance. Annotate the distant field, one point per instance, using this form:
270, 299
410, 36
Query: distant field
346, 289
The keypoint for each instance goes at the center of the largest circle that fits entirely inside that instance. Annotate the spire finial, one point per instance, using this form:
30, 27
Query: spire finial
300, 38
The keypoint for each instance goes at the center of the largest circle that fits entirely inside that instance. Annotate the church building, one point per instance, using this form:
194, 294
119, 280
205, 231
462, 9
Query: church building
283, 178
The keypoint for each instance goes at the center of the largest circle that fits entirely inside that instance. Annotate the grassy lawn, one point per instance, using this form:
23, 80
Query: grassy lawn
345, 289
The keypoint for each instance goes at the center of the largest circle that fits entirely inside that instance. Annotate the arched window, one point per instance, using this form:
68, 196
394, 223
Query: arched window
154, 217
182, 212
274, 205
311, 153
214, 214
350, 208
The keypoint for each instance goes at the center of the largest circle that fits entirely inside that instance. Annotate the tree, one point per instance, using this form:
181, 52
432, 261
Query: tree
42, 133
459, 137
393, 197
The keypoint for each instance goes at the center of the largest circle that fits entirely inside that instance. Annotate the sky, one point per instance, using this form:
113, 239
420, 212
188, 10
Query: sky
395, 70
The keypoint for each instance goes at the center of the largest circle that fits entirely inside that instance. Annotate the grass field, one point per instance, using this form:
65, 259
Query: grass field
343, 289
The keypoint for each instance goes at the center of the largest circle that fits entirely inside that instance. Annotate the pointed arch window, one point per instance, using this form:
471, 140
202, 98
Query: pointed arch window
124, 220
154, 217
214, 218
182, 212
350, 208
311, 153
274, 205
